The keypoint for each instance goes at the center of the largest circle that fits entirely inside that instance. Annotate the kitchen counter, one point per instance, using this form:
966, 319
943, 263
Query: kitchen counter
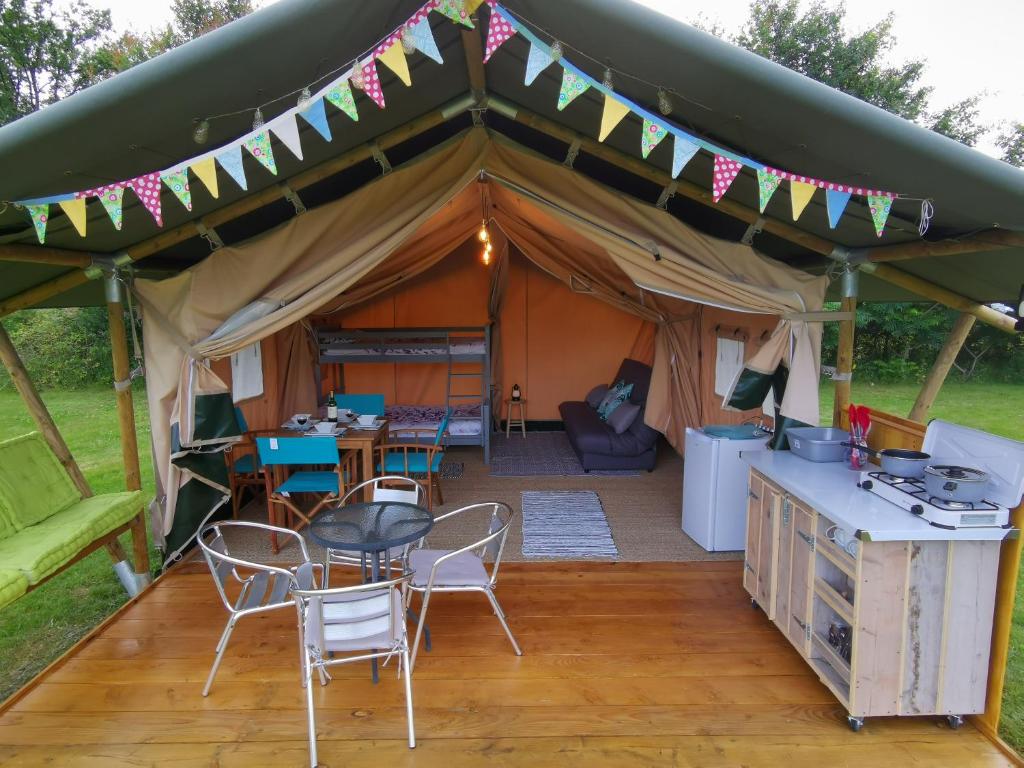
831, 489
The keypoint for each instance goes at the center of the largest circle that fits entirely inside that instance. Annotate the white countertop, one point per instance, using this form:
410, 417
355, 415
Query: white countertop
831, 489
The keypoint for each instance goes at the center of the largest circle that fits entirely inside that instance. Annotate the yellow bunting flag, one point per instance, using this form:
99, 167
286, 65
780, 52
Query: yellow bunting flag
800, 194
75, 210
614, 111
206, 170
394, 57
472, 5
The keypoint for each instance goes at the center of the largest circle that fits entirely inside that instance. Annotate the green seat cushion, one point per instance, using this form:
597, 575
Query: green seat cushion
33, 483
13, 585
42, 549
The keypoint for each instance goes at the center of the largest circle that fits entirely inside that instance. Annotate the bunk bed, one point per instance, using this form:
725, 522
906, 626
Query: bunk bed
467, 348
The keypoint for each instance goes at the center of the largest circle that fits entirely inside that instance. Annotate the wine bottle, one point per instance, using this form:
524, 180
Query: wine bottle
332, 408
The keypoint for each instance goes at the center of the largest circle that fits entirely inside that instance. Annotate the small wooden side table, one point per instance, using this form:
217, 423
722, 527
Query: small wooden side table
520, 422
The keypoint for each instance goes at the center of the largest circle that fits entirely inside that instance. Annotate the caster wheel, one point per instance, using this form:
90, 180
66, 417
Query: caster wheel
753, 604
855, 723
955, 721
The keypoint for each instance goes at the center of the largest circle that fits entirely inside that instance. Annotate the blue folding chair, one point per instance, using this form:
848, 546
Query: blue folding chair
417, 459
361, 404
244, 468
281, 453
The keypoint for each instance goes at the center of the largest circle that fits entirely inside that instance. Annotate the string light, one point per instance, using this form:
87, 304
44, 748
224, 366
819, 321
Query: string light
257, 119
408, 42
664, 102
556, 50
201, 132
483, 236
356, 78
304, 97
607, 82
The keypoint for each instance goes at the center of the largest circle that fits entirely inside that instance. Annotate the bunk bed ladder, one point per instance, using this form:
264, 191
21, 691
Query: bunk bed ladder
483, 374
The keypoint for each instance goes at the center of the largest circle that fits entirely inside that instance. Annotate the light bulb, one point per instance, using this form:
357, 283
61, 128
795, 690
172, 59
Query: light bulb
607, 81
408, 42
482, 234
201, 132
556, 50
356, 78
257, 119
664, 102
304, 97
488, 247
485, 257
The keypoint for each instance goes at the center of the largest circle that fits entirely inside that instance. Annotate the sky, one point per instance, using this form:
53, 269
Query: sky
967, 50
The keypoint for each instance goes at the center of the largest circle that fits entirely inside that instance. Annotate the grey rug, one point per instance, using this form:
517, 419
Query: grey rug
565, 524
539, 453
452, 470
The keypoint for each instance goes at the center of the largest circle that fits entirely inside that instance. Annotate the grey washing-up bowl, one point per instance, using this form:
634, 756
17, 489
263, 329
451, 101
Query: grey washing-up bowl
734, 431
821, 444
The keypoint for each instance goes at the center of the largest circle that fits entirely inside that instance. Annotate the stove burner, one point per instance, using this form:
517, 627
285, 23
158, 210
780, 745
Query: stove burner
916, 489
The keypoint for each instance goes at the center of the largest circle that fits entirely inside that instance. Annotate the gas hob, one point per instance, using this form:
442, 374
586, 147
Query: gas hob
911, 495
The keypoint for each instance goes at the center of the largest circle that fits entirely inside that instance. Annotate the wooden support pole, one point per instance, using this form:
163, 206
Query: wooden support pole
844, 361
992, 240
940, 368
37, 409
126, 417
37, 254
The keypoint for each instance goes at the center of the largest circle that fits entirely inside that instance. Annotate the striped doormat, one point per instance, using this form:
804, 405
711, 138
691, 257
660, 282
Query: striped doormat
566, 524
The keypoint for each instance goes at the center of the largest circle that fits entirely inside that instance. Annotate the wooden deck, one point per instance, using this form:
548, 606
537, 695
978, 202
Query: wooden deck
626, 664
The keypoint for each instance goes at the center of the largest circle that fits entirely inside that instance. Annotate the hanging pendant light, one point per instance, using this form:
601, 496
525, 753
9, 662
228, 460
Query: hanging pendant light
483, 235
664, 102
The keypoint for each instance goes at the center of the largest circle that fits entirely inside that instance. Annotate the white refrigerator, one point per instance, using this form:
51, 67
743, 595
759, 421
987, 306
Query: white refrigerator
715, 490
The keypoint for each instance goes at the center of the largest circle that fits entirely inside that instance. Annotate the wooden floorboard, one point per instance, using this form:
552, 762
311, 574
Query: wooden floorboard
629, 664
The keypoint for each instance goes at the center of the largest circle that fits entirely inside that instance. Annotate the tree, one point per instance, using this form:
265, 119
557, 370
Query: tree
45, 55
814, 43
1011, 142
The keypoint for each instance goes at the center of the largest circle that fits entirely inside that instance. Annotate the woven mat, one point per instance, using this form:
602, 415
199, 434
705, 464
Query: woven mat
540, 453
566, 525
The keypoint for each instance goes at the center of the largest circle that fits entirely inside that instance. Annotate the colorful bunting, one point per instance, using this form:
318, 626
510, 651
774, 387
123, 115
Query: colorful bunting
499, 30
536, 62
147, 189
371, 83
231, 161
614, 111
836, 201
259, 147
316, 116
423, 37
456, 11
394, 58
726, 171
110, 196
75, 210
340, 95
682, 153
206, 170
40, 215
572, 86
472, 5
800, 194
651, 136
286, 128
177, 182
767, 183
880, 206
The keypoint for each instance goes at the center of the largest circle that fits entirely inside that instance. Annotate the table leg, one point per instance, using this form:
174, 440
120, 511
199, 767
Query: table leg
367, 452
375, 577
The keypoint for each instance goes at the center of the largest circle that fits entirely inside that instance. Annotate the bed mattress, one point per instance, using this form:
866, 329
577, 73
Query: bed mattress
465, 420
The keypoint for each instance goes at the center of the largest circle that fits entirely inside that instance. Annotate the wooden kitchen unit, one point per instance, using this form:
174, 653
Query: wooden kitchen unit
823, 554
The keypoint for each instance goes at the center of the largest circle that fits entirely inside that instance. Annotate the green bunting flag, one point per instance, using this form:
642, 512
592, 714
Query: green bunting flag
40, 215
767, 183
651, 136
572, 86
340, 96
880, 206
177, 182
454, 10
259, 147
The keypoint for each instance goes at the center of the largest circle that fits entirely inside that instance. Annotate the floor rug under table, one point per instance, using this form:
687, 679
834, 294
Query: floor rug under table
539, 453
566, 524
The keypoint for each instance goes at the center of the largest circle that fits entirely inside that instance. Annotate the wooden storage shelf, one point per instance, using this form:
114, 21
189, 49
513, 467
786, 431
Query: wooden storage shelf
838, 557
839, 665
824, 591
832, 680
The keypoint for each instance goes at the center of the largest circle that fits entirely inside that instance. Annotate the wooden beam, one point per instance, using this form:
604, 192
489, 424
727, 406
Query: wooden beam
844, 360
474, 60
940, 368
37, 409
33, 254
40, 293
992, 240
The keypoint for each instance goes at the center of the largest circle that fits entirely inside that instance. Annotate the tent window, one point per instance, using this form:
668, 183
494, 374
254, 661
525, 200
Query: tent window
728, 365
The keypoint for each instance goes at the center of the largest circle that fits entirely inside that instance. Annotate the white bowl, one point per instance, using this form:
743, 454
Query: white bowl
367, 420
325, 427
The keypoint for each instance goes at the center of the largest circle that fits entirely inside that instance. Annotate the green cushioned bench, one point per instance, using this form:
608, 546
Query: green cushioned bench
45, 523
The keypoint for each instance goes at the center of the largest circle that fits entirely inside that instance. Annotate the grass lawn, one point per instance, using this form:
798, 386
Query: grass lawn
40, 626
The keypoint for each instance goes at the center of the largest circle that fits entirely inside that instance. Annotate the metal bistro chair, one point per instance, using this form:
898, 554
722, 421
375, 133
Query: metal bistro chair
303, 451
366, 620
386, 488
415, 458
463, 570
262, 587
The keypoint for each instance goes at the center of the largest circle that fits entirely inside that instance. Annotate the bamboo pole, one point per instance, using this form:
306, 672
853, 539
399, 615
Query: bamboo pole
39, 255
126, 418
940, 368
40, 293
992, 240
37, 409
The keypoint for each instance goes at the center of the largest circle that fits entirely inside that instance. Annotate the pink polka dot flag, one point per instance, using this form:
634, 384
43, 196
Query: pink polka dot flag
725, 171
498, 32
371, 83
147, 189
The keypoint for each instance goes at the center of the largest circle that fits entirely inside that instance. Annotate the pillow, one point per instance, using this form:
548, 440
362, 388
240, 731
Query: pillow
615, 397
596, 395
609, 395
622, 418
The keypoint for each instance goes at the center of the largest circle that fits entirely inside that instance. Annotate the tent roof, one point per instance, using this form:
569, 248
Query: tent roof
142, 120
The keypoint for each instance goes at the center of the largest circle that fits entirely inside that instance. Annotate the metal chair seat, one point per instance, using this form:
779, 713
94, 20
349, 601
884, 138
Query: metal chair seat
465, 569
310, 482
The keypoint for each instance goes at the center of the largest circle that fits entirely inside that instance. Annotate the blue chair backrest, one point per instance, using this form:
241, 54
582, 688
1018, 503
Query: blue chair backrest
442, 427
362, 404
297, 450
240, 418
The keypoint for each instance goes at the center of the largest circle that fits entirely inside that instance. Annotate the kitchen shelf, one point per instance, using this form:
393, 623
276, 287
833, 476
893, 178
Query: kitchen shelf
841, 559
824, 591
839, 665
833, 680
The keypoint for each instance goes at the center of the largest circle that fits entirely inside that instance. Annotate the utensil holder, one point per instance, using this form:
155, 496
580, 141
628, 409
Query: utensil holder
858, 458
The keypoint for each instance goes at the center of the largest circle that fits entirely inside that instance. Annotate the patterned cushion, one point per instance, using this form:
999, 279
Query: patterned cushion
622, 417
13, 585
616, 396
33, 484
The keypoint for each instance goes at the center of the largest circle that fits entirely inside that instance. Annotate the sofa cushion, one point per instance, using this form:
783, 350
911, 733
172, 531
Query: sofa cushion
616, 396
622, 418
13, 585
41, 549
596, 395
33, 483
